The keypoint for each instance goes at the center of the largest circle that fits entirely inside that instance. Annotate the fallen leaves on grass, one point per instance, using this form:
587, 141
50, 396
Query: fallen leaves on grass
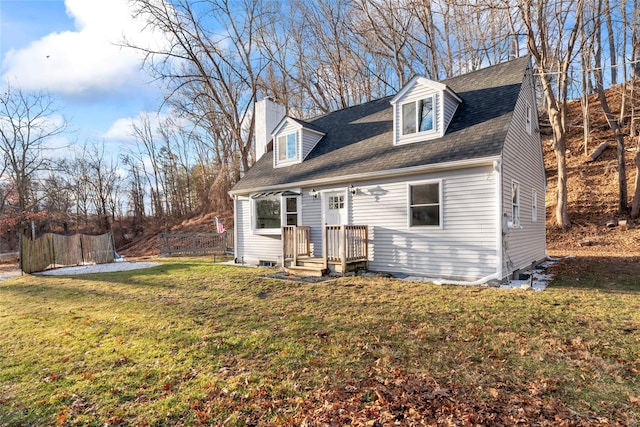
52, 377
404, 399
122, 360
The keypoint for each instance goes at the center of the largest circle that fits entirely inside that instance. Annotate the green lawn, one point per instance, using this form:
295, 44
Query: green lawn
193, 343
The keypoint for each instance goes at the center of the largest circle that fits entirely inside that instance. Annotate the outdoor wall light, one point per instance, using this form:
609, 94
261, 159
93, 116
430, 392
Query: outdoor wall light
313, 193
353, 190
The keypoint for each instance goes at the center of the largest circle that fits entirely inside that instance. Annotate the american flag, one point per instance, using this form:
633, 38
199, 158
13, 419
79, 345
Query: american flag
219, 226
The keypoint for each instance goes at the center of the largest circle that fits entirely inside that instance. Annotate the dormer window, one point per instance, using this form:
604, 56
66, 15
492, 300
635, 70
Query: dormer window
417, 116
287, 147
293, 140
422, 111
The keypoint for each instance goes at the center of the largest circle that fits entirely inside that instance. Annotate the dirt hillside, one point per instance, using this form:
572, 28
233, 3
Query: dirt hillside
592, 188
147, 244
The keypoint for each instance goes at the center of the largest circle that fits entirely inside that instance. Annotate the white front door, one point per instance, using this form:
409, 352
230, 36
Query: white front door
335, 207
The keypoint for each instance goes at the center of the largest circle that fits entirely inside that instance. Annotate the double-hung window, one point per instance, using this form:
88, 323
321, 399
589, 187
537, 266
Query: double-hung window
424, 204
534, 205
515, 204
287, 147
418, 116
291, 210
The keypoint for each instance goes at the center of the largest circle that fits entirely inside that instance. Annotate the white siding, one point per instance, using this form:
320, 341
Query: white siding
312, 217
463, 248
309, 140
522, 162
253, 248
450, 105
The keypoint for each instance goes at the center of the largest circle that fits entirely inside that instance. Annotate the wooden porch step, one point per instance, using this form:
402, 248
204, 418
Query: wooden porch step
310, 262
305, 271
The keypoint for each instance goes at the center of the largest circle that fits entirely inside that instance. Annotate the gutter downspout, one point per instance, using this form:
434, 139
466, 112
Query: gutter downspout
235, 229
493, 276
497, 167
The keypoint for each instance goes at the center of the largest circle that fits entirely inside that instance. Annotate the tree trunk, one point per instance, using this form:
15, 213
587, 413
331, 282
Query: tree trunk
562, 216
635, 206
598, 151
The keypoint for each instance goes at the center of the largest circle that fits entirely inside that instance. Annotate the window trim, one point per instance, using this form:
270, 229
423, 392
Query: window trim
534, 206
417, 131
440, 224
286, 212
515, 219
283, 213
528, 119
284, 137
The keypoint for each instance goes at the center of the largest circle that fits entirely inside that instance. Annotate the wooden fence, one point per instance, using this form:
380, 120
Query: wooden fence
54, 250
196, 243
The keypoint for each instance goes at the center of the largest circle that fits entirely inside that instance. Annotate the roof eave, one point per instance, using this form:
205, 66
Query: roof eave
391, 173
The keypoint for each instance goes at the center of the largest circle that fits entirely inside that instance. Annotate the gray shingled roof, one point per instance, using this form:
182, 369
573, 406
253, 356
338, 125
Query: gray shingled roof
359, 139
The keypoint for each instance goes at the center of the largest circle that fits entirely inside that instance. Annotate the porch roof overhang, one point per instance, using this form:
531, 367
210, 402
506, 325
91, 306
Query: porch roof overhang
283, 193
392, 173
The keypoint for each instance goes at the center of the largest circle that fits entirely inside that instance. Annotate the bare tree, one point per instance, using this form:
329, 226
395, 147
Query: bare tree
147, 151
614, 125
28, 122
635, 120
552, 30
136, 194
211, 66
104, 182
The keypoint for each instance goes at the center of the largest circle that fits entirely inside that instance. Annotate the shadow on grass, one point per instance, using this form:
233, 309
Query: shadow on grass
139, 284
603, 273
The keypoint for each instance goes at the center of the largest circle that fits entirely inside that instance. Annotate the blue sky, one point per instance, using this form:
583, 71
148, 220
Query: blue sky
68, 48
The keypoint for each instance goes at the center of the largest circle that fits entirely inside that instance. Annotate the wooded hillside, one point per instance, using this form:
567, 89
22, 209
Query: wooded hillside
593, 187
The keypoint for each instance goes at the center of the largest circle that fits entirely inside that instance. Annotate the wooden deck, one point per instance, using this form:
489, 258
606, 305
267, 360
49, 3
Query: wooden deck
344, 249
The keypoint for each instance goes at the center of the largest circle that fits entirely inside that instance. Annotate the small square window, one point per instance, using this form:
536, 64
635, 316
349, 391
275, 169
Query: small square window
336, 202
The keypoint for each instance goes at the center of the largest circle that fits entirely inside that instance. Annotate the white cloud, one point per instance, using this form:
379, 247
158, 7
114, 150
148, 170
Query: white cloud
85, 60
122, 129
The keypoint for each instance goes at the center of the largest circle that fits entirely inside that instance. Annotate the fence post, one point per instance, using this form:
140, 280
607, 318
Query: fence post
20, 253
343, 248
295, 245
52, 249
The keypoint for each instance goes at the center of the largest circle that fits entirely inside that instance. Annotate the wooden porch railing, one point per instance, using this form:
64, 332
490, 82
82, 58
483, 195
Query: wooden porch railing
295, 242
345, 243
